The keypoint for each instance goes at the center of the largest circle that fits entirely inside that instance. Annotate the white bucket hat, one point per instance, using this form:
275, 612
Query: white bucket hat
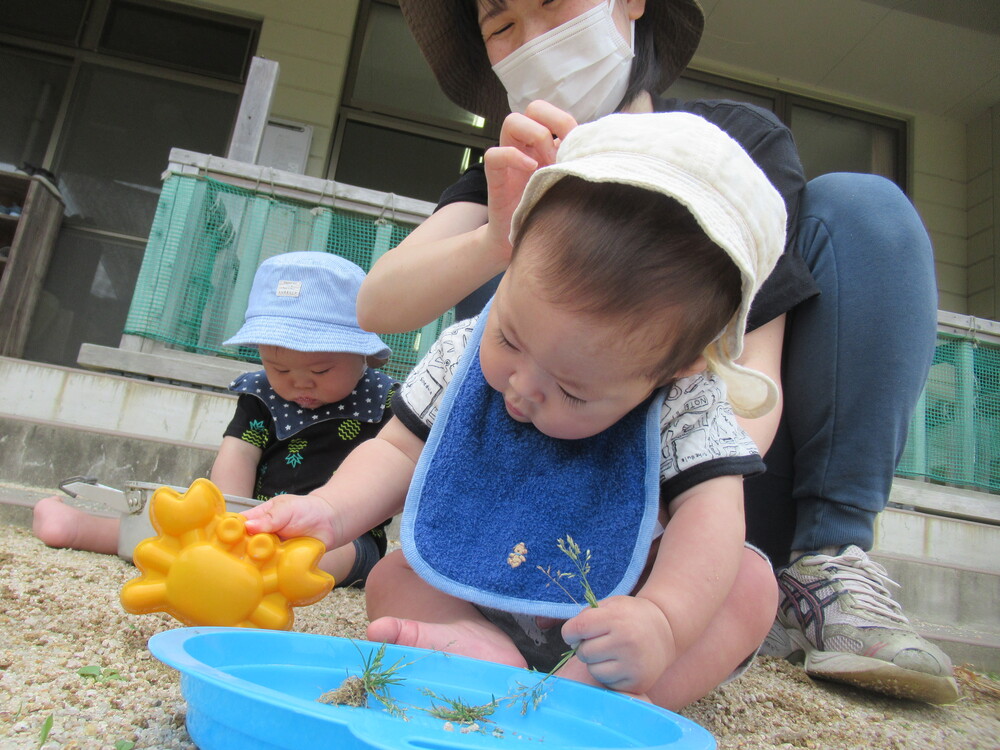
691, 160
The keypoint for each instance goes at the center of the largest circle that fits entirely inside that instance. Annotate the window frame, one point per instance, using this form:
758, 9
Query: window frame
86, 52
784, 102
250, 25
355, 109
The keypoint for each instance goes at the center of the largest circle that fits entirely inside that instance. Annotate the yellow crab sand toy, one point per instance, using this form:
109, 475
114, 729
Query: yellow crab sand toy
204, 569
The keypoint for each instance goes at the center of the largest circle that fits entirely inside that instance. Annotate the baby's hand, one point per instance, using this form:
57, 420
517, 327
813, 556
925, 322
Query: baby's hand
294, 515
626, 642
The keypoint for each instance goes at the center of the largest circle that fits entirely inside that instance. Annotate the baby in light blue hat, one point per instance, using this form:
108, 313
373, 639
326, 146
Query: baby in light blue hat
317, 398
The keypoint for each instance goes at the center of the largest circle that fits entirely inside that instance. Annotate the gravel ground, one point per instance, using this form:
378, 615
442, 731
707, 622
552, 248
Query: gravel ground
59, 612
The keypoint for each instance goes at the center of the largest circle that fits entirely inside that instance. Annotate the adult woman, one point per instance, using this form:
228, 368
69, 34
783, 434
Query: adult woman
845, 323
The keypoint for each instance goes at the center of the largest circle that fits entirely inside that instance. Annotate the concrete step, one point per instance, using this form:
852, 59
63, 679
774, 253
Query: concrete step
98, 401
36, 453
930, 522
942, 593
955, 606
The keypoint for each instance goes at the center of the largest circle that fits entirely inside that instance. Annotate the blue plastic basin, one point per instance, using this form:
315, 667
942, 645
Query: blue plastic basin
257, 689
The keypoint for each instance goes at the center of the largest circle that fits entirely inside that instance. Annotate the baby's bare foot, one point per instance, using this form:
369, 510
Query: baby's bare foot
61, 525
462, 638
54, 522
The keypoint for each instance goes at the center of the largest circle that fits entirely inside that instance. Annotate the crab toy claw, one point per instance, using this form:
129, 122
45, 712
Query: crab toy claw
204, 569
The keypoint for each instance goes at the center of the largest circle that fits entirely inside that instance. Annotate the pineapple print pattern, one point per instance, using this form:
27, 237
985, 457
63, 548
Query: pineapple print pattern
257, 434
294, 459
295, 448
349, 429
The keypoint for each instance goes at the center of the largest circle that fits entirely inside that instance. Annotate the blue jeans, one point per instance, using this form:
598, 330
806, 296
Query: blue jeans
855, 361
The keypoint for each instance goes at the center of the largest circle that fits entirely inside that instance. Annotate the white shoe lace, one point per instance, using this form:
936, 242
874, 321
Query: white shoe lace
865, 579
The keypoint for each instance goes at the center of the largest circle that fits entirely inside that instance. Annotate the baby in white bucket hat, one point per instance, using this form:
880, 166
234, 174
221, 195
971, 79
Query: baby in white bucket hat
587, 412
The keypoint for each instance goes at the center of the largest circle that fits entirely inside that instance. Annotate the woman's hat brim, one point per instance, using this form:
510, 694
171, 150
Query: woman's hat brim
448, 34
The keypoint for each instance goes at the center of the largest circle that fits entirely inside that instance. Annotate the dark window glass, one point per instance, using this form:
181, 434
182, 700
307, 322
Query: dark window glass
831, 142
392, 75
830, 138
189, 42
85, 297
51, 20
402, 163
117, 142
31, 88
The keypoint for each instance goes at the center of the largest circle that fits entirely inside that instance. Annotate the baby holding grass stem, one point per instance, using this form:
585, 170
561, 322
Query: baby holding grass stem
315, 399
595, 398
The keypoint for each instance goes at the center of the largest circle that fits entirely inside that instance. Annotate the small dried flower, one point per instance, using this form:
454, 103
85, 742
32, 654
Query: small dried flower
518, 556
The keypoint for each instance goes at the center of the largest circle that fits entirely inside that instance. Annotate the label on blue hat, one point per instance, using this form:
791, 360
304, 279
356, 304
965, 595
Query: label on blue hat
289, 288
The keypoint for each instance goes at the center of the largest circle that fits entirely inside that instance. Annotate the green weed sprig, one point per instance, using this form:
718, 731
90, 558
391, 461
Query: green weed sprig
43, 735
457, 710
376, 679
97, 674
581, 561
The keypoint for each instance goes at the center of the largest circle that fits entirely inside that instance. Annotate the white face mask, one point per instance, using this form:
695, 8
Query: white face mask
582, 66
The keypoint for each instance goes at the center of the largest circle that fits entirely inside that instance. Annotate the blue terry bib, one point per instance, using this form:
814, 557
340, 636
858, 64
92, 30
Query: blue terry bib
491, 497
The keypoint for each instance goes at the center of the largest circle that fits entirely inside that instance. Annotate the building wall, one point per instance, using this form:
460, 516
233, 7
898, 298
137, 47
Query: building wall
983, 211
939, 191
311, 41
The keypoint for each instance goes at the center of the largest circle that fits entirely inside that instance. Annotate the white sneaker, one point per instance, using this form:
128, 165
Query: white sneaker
836, 614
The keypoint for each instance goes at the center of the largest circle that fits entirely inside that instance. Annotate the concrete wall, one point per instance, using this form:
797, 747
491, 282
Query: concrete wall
311, 41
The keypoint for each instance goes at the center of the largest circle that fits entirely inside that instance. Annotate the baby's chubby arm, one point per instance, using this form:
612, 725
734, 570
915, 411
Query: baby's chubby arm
629, 641
368, 487
235, 469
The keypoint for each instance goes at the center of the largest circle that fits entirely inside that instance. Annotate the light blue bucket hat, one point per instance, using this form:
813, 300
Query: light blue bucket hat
306, 301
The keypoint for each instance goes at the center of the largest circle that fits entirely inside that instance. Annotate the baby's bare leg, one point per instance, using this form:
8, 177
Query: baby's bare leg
338, 562
738, 629
61, 525
408, 611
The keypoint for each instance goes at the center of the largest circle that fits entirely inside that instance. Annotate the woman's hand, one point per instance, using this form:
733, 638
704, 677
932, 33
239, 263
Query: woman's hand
507, 172
296, 515
538, 132
527, 141
626, 642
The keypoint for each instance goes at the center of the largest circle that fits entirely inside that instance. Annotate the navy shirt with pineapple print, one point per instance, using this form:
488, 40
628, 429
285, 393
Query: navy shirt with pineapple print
301, 448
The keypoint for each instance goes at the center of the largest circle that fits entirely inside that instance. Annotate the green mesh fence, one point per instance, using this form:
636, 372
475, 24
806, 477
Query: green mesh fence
207, 239
955, 434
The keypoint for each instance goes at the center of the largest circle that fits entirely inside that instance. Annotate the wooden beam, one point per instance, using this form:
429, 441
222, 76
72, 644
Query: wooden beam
255, 107
300, 187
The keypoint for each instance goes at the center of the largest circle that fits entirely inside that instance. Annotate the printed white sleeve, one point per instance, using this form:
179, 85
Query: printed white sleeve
697, 424
425, 384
